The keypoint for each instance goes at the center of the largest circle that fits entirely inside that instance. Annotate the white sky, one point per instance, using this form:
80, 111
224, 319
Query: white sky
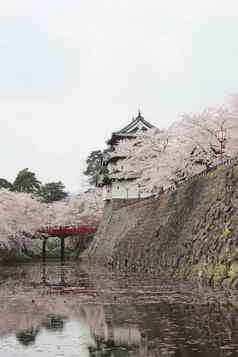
73, 71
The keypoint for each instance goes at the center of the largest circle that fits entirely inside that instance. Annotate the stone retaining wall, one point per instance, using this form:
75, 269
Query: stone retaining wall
189, 233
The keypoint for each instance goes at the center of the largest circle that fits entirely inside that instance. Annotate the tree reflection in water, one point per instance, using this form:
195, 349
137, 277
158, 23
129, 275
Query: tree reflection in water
147, 319
54, 323
27, 337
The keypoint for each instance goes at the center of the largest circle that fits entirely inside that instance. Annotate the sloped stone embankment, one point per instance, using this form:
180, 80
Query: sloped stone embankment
189, 233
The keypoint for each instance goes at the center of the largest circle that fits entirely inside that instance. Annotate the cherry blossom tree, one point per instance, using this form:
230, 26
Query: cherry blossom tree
20, 216
160, 159
85, 208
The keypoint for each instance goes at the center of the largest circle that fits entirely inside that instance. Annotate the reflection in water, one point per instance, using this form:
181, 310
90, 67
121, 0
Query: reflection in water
132, 316
27, 337
54, 322
61, 279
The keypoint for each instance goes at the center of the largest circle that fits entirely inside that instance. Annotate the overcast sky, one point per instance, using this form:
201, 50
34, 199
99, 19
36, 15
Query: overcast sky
73, 71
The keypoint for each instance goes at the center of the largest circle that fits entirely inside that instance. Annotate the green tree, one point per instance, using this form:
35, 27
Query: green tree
5, 184
52, 191
26, 181
95, 169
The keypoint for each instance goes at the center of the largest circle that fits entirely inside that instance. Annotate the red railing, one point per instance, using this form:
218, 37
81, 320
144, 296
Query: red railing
65, 231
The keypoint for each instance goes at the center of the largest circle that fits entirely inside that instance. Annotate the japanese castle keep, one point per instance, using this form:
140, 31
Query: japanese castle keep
122, 188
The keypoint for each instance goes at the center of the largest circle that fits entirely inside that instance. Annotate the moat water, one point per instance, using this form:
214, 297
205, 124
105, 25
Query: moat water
44, 312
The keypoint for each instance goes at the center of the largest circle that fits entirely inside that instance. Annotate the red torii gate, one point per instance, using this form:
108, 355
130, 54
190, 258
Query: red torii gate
62, 232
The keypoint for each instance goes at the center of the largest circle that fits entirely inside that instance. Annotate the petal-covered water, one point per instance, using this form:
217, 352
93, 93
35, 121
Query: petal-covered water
69, 310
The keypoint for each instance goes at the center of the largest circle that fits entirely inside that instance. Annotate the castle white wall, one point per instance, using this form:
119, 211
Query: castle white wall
123, 190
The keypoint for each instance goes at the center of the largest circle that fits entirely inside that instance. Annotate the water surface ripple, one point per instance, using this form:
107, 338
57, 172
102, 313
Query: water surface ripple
54, 309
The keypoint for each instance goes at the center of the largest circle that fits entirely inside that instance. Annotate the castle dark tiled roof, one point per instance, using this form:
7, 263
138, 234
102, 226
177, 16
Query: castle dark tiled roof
139, 123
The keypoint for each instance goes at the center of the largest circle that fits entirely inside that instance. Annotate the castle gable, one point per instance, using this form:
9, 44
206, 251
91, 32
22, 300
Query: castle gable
130, 130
